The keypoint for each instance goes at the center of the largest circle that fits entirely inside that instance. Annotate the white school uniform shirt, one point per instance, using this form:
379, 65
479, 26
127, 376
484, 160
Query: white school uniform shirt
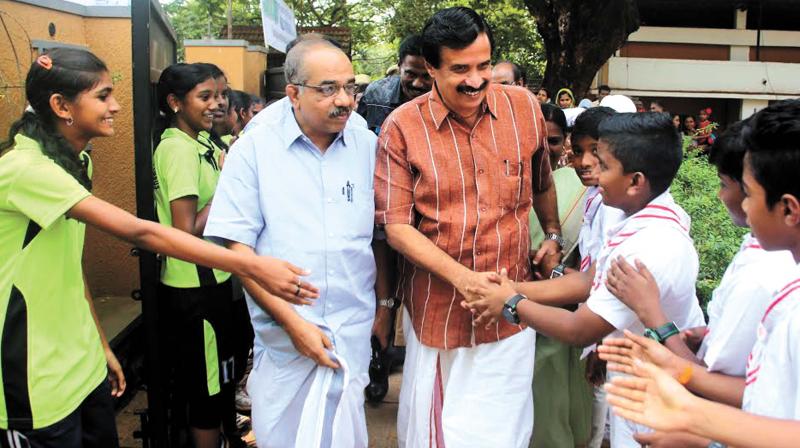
658, 236
739, 302
597, 218
772, 382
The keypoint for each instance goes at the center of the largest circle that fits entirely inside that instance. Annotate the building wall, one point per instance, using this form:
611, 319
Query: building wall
657, 50
109, 269
242, 63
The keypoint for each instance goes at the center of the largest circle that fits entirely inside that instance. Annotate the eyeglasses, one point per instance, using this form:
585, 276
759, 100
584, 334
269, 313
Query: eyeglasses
332, 89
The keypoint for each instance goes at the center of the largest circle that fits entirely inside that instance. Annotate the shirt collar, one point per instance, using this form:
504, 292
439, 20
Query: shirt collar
292, 131
440, 111
202, 143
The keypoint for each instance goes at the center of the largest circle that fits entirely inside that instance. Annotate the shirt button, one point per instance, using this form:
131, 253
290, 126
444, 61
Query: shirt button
329, 200
480, 171
330, 272
477, 252
483, 209
330, 234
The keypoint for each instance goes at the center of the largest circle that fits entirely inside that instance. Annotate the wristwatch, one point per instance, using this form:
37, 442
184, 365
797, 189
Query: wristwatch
558, 271
717, 445
510, 308
391, 302
557, 238
662, 333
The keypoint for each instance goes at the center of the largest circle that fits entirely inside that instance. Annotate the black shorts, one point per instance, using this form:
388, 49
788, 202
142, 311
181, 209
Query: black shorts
91, 425
197, 326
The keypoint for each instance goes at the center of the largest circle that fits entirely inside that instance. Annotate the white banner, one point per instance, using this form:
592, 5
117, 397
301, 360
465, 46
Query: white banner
278, 22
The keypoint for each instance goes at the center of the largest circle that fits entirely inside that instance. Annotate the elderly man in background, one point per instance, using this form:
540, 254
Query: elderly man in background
301, 186
508, 73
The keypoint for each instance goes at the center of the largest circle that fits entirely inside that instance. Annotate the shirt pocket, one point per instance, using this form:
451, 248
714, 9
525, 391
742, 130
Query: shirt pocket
511, 183
362, 214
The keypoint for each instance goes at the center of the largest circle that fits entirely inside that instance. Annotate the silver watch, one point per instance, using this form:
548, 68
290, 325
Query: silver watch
390, 302
557, 238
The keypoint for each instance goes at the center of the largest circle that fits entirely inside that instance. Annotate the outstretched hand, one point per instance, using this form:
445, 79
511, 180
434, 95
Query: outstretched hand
283, 279
652, 398
623, 353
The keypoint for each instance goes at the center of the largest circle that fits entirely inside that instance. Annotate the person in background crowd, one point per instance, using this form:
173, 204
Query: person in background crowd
602, 92
705, 128
239, 114
563, 397
60, 394
676, 121
392, 70
689, 126
196, 302
639, 105
258, 105
491, 135
656, 106
565, 99
385, 95
362, 82
220, 133
508, 73
543, 95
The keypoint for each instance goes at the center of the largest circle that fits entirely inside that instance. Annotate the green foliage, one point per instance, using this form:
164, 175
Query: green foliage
716, 238
377, 26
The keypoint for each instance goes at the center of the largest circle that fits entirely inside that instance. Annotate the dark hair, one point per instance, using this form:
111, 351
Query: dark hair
255, 99
216, 72
410, 46
545, 89
177, 79
604, 87
645, 142
683, 120
727, 152
773, 149
518, 72
454, 28
659, 103
556, 115
71, 72
239, 101
588, 122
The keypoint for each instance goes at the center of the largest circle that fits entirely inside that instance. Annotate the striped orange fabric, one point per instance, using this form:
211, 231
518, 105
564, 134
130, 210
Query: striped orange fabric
467, 190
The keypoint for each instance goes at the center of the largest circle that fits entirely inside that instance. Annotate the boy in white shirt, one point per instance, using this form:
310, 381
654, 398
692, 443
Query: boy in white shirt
772, 204
639, 156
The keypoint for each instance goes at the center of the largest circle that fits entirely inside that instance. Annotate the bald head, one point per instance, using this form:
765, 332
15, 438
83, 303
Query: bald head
507, 73
296, 64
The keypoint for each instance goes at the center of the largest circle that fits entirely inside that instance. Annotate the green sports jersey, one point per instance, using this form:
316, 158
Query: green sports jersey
51, 356
183, 166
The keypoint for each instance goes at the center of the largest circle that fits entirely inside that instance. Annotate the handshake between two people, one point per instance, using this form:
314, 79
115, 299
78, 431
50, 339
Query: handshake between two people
485, 293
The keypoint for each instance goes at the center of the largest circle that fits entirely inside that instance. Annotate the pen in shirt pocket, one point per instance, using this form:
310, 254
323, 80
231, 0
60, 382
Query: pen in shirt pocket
347, 191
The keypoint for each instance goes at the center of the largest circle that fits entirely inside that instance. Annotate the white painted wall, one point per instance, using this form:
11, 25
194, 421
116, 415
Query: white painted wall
712, 79
749, 107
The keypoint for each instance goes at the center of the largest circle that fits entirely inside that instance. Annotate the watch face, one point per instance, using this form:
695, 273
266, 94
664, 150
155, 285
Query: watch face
509, 315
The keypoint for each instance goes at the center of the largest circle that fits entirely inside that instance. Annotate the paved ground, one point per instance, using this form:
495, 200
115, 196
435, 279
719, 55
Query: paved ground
380, 419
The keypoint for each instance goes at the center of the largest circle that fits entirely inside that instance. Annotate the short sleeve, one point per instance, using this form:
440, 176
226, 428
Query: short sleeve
45, 192
236, 211
177, 168
394, 197
729, 341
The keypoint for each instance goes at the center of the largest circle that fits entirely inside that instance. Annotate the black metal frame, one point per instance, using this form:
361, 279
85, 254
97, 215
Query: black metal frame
146, 14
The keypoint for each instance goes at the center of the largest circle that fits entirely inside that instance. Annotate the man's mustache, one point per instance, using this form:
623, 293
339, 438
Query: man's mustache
463, 88
339, 111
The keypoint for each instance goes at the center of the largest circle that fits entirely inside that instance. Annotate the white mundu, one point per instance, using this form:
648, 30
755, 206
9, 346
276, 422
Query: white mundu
658, 236
772, 382
739, 302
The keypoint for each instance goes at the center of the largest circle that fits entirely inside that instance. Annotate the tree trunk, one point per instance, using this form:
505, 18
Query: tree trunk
579, 36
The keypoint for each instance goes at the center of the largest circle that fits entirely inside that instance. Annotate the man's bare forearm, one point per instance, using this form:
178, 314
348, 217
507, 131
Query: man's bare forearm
421, 251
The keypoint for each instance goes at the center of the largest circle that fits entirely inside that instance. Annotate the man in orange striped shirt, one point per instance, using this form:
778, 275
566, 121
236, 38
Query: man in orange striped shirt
457, 172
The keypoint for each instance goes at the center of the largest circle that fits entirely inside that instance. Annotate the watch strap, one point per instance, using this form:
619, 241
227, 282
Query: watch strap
663, 332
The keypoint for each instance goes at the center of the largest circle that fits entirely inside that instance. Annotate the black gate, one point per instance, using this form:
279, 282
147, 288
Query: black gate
154, 48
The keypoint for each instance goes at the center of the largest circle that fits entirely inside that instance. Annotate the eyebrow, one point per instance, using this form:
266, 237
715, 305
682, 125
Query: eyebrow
105, 90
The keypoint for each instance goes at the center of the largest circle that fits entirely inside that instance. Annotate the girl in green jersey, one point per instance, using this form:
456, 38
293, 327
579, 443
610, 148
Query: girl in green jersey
54, 362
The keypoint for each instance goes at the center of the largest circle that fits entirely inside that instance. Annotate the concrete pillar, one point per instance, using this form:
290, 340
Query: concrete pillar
749, 107
741, 19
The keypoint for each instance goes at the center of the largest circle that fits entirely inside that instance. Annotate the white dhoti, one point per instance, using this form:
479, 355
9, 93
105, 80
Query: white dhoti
622, 430
467, 397
297, 403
